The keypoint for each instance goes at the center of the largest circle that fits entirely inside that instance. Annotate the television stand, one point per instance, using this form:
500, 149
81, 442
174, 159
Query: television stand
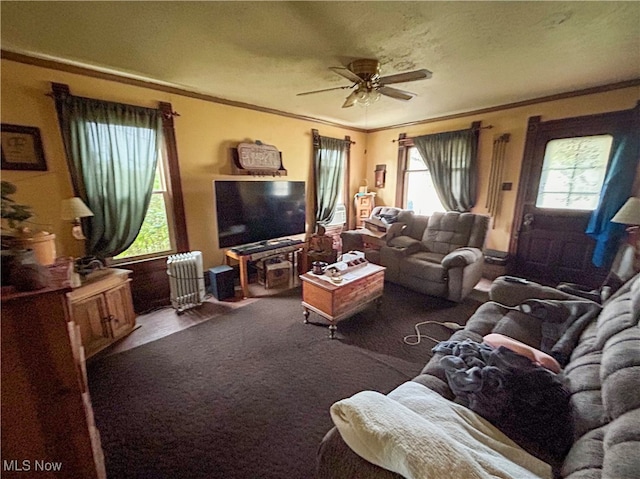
256, 251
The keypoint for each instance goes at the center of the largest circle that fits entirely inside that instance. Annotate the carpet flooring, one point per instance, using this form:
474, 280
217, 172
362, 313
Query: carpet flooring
247, 394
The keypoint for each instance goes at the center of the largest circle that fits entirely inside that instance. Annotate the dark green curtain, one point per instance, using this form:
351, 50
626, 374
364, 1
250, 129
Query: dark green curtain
112, 152
452, 161
329, 164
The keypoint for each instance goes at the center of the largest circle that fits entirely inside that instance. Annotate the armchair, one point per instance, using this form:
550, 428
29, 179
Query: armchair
440, 255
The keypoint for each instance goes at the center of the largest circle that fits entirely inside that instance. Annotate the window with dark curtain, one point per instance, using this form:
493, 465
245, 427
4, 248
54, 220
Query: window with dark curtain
330, 165
120, 164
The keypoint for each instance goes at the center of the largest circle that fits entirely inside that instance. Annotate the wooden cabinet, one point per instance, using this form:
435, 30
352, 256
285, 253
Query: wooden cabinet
364, 203
103, 309
48, 429
336, 302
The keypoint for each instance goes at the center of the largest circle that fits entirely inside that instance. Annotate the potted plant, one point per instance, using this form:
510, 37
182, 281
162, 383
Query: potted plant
13, 215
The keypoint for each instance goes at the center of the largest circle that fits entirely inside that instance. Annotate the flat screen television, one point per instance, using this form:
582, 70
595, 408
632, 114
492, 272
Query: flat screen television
254, 211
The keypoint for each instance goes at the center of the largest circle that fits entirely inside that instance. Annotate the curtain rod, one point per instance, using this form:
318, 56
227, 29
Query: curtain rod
63, 91
340, 139
410, 138
316, 135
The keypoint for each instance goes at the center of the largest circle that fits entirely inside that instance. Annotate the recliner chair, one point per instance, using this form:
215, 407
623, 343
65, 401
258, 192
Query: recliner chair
622, 270
440, 255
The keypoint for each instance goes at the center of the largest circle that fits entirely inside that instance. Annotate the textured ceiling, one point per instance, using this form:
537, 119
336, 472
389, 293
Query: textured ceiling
482, 54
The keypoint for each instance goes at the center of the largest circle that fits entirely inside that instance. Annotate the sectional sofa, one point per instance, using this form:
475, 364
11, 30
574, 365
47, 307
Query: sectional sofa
599, 346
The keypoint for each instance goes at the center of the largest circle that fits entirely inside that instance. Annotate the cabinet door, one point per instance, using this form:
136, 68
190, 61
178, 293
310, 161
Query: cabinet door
122, 318
91, 315
44, 414
365, 201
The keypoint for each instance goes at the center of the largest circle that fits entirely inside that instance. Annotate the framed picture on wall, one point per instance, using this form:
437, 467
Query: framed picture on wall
380, 175
22, 148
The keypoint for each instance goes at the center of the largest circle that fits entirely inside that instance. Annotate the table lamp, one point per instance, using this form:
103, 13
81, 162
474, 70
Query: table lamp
629, 215
72, 210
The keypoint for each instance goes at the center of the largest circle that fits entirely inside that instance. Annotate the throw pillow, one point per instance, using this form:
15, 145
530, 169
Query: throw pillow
535, 355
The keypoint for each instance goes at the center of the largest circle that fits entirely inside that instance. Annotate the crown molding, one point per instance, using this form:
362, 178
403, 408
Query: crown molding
507, 106
165, 88
144, 83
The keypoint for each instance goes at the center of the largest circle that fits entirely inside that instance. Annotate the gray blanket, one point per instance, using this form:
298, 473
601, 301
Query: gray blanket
525, 401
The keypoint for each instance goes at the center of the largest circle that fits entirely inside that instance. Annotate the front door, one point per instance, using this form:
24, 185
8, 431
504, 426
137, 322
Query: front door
563, 170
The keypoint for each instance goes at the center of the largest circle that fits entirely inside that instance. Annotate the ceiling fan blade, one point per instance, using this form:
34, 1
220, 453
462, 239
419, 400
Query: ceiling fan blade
348, 74
405, 77
326, 89
350, 101
395, 93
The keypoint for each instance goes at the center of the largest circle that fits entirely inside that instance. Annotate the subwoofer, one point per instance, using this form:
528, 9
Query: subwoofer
222, 280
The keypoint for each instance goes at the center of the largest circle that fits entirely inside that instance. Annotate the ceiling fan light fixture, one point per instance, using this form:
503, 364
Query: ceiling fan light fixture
367, 98
368, 86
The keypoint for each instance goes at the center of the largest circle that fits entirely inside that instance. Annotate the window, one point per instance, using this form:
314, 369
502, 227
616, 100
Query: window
419, 192
328, 170
156, 235
339, 216
573, 171
331, 170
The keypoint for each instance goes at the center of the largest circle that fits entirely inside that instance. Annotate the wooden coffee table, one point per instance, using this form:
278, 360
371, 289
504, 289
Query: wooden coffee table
334, 302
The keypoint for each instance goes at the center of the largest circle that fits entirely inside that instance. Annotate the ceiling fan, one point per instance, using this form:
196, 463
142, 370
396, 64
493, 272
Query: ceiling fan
369, 85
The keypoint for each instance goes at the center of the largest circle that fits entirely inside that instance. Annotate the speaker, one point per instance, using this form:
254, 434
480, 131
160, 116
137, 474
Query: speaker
221, 280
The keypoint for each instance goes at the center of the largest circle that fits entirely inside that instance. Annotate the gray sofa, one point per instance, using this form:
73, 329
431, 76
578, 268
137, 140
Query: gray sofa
439, 255
602, 377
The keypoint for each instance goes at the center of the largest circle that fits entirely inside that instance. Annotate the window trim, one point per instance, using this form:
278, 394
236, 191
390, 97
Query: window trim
174, 186
404, 144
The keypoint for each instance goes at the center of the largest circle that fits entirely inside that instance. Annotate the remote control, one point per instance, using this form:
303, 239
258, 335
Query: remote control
515, 279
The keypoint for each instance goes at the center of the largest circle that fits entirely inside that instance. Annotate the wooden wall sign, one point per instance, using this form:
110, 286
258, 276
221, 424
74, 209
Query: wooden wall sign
257, 159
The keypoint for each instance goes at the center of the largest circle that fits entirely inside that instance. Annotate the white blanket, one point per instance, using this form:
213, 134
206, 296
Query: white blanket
421, 435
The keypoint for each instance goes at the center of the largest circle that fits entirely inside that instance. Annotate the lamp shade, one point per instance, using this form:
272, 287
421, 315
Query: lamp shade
73, 208
629, 214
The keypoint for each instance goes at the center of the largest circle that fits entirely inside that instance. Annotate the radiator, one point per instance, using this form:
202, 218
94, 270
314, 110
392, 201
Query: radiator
186, 280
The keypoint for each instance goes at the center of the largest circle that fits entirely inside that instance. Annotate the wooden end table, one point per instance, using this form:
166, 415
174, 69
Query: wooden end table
335, 302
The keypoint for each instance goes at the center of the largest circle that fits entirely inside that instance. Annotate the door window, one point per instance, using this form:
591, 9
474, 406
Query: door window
573, 172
